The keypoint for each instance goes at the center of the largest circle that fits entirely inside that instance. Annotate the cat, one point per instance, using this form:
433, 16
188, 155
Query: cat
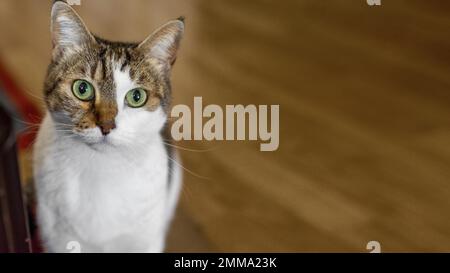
104, 175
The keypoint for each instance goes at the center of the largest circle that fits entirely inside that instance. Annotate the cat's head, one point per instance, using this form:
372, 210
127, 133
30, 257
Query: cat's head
108, 92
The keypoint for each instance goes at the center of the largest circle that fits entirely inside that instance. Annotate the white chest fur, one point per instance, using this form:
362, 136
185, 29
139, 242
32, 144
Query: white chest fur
109, 200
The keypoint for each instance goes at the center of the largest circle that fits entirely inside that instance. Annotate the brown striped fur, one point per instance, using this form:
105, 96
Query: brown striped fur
86, 56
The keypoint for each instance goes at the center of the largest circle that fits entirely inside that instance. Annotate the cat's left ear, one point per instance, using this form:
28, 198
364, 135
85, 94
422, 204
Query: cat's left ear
163, 44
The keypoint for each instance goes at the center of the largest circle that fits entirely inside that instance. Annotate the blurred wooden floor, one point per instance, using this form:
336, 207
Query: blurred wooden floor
364, 95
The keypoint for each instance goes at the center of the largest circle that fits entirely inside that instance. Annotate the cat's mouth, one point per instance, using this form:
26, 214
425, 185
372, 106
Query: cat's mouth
98, 143
93, 137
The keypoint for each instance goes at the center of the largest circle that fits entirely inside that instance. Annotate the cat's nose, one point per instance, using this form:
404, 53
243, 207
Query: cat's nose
107, 126
106, 112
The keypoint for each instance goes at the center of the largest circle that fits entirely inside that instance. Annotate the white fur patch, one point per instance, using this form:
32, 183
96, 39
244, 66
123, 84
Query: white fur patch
123, 83
110, 196
133, 124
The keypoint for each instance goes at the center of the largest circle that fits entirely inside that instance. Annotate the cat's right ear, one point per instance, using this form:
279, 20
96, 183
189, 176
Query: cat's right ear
69, 33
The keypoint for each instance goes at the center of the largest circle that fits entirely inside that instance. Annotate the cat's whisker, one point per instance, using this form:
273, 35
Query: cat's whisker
176, 162
27, 132
25, 122
186, 169
66, 136
62, 124
188, 149
63, 129
35, 97
173, 160
166, 142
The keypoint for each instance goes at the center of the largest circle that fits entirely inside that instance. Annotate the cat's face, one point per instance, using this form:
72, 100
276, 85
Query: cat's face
107, 92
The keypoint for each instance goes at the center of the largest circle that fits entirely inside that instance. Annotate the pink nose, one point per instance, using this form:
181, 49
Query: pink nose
107, 126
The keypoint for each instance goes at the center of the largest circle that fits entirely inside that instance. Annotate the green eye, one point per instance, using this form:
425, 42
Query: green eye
136, 97
83, 90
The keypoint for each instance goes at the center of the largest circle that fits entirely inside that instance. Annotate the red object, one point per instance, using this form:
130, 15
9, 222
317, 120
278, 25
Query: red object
26, 108
30, 114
